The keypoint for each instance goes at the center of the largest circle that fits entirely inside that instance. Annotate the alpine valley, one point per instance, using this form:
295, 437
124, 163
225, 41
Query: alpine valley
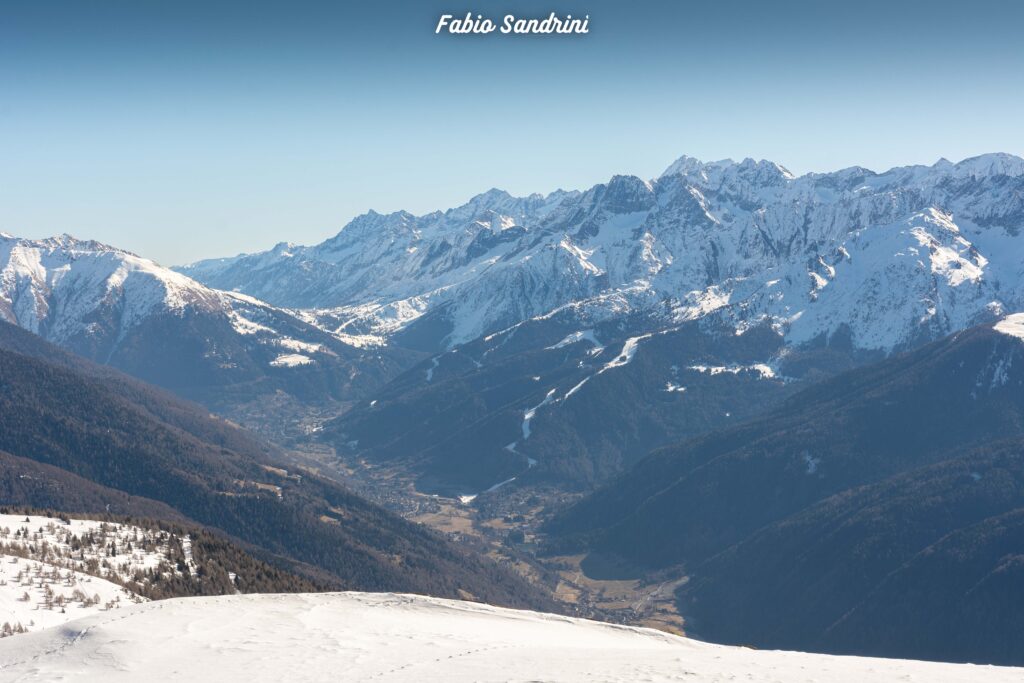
675, 306
751, 407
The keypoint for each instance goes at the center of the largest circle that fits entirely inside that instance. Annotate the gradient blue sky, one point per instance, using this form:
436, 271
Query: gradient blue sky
184, 130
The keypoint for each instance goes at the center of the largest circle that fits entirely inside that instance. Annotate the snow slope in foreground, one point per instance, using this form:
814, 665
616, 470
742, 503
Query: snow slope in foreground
382, 636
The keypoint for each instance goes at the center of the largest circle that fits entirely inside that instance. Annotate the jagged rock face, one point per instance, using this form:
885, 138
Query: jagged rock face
887, 259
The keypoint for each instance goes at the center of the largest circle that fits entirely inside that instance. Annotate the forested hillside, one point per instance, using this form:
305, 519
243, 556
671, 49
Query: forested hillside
122, 436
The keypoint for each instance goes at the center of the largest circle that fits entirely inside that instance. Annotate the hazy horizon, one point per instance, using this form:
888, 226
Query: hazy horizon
187, 130
332, 232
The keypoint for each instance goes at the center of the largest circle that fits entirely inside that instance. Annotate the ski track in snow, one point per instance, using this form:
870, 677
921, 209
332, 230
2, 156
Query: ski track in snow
434, 362
528, 416
575, 337
532, 412
497, 486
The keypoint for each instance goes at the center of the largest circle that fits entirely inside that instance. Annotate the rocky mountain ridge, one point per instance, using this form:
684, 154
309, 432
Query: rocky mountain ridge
887, 259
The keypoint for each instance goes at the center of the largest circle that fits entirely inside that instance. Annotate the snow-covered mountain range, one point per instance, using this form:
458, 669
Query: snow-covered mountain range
549, 342
889, 259
877, 261
382, 636
118, 308
593, 312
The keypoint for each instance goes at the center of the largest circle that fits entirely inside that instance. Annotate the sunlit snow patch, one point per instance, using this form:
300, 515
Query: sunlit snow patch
385, 636
575, 337
1012, 325
627, 353
765, 371
298, 346
290, 360
243, 325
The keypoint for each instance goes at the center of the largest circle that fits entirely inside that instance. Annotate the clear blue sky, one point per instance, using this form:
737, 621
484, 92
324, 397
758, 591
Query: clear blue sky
187, 129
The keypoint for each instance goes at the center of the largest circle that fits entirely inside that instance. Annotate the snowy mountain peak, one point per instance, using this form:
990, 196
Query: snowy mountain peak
68, 242
490, 196
59, 283
985, 165
118, 308
625, 194
994, 164
684, 165
689, 166
765, 170
936, 246
283, 248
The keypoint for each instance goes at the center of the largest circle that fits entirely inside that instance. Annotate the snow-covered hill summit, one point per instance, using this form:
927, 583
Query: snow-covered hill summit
888, 259
388, 637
